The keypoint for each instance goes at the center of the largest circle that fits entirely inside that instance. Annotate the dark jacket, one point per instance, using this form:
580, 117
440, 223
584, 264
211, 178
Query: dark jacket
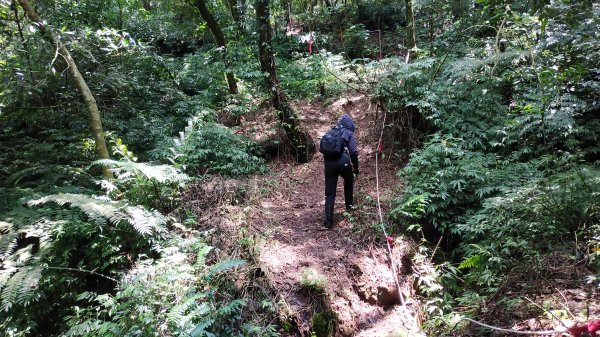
346, 123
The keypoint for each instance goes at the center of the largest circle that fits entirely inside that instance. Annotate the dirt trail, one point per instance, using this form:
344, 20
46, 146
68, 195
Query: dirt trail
349, 262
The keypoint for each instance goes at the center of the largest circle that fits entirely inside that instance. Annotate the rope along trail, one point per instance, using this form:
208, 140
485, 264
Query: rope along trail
389, 248
385, 235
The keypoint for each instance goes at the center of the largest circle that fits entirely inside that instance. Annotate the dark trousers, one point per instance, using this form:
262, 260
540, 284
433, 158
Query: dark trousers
333, 169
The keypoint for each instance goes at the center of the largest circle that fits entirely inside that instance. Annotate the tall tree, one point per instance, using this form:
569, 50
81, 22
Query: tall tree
411, 40
302, 145
82, 87
233, 7
221, 42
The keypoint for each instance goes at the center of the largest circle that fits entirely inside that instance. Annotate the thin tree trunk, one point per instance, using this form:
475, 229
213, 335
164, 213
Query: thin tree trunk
234, 10
288, 15
24, 42
411, 40
86, 93
220, 39
302, 145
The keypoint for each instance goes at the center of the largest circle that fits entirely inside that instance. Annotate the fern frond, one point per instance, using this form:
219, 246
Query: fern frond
29, 173
414, 207
102, 210
188, 311
473, 261
5, 227
46, 174
8, 239
20, 288
98, 209
5, 274
463, 67
200, 329
160, 173
144, 221
233, 306
11, 289
224, 266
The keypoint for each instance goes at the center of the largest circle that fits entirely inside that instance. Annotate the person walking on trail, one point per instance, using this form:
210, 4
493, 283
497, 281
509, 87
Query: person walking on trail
344, 164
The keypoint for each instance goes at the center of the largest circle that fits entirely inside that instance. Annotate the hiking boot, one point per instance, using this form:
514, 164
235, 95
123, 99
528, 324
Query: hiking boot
348, 198
328, 218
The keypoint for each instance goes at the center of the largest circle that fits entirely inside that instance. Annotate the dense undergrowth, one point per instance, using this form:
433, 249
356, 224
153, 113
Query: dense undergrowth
499, 107
81, 256
509, 172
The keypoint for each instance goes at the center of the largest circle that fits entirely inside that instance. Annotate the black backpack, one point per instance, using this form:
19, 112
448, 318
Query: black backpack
332, 143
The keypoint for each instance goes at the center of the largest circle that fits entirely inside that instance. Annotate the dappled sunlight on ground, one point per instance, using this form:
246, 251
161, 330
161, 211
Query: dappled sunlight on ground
351, 258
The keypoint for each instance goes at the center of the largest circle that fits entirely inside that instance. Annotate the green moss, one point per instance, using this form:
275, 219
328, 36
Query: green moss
324, 323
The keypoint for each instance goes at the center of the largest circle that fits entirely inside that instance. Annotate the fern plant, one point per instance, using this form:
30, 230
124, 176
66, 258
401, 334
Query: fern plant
102, 210
507, 171
55, 246
173, 295
207, 147
154, 186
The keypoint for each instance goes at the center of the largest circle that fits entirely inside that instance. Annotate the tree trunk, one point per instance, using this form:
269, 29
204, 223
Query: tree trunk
88, 98
220, 39
411, 40
24, 42
288, 15
234, 10
302, 145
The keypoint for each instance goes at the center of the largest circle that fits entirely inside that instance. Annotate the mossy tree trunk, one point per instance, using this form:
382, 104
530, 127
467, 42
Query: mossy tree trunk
82, 87
302, 145
221, 42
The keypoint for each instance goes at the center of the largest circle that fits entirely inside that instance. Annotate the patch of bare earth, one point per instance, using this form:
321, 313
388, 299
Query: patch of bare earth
345, 270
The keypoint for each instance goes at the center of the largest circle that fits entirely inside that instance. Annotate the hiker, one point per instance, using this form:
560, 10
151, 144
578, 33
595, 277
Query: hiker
344, 164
